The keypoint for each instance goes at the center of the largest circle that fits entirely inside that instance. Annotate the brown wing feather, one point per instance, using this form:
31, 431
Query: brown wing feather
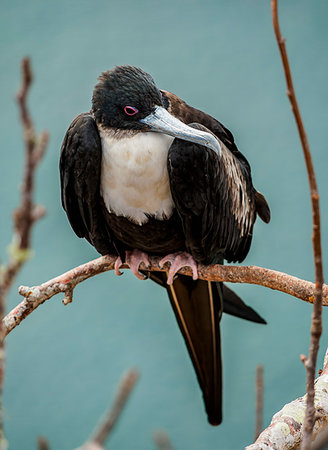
187, 114
214, 197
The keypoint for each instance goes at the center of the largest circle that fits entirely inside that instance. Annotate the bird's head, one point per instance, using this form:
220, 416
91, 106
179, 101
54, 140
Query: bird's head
127, 98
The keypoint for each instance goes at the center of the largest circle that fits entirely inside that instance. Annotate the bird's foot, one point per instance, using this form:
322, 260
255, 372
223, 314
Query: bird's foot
177, 261
133, 259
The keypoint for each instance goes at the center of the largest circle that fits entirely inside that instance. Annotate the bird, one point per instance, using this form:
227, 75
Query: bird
144, 173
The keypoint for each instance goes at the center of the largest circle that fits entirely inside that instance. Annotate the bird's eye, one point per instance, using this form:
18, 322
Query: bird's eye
130, 110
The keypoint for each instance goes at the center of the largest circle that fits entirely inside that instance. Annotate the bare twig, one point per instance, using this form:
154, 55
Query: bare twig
24, 216
35, 147
316, 325
162, 440
258, 402
43, 443
107, 424
36, 295
286, 430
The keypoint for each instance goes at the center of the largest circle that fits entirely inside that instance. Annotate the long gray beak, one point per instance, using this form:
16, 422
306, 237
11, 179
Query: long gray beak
163, 122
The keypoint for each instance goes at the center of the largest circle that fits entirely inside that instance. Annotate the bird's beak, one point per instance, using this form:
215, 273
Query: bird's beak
163, 122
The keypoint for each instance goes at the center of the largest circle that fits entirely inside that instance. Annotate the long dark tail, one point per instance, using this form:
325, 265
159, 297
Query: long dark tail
198, 307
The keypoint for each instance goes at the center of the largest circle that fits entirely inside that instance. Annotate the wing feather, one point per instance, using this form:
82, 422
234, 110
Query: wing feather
80, 168
187, 114
215, 200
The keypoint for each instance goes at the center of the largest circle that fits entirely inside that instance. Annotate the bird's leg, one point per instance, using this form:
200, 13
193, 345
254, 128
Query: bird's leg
177, 261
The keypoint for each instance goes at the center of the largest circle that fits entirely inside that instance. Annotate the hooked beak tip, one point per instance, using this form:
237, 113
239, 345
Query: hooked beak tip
162, 121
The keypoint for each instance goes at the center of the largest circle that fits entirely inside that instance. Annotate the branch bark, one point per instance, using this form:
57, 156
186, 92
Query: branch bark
36, 295
316, 324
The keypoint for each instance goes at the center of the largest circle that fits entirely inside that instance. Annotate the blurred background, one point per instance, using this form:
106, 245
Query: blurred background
63, 363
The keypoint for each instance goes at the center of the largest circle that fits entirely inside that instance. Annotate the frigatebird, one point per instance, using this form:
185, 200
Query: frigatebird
143, 173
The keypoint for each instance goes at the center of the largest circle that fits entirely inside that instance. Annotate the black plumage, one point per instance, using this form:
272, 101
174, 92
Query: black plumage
214, 204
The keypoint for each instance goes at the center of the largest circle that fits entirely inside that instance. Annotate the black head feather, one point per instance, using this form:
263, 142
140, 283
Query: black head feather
120, 87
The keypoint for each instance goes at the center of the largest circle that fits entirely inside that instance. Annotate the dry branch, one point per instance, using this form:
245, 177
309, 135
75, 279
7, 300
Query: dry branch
27, 213
316, 325
43, 443
106, 425
24, 216
162, 440
258, 402
36, 295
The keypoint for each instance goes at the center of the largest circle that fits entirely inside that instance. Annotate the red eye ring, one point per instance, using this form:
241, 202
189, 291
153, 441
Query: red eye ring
130, 110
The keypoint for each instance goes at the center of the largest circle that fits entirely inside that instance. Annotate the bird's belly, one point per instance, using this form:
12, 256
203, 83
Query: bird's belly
134, 176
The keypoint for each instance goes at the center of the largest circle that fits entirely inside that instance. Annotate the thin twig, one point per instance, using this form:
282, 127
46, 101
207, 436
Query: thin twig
107, 424
258, 402
316, 325
43, 443
36, 295
162, 440
24, 216
34, 147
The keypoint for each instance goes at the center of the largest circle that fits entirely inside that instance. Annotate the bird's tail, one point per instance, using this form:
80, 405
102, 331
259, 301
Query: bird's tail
197, 306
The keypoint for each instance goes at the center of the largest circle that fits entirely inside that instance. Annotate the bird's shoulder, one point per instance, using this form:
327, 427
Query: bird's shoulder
188, 114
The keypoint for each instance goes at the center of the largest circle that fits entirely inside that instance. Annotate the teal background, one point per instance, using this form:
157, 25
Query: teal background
63, 363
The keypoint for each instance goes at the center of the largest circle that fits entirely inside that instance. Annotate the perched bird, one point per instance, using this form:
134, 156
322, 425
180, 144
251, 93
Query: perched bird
145, 173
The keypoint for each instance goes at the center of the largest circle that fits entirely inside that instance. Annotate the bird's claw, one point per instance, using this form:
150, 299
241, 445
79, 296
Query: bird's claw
133, 259
117, 266
177, 261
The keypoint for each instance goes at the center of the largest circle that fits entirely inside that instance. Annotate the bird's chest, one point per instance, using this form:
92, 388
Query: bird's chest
134, 176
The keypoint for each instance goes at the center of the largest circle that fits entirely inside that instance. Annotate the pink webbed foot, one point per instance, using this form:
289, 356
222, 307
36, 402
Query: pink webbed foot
177, 261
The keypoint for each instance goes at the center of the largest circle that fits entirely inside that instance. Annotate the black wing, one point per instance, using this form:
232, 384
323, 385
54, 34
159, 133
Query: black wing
80, 169
215, 199
187, 114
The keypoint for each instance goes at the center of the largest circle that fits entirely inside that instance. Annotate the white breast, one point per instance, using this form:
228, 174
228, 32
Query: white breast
134, 177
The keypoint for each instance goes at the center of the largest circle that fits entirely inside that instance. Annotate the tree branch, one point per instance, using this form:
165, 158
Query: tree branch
258, 402
99, 437
36, 295
162, 440
25, 215
43, 443
316, 325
